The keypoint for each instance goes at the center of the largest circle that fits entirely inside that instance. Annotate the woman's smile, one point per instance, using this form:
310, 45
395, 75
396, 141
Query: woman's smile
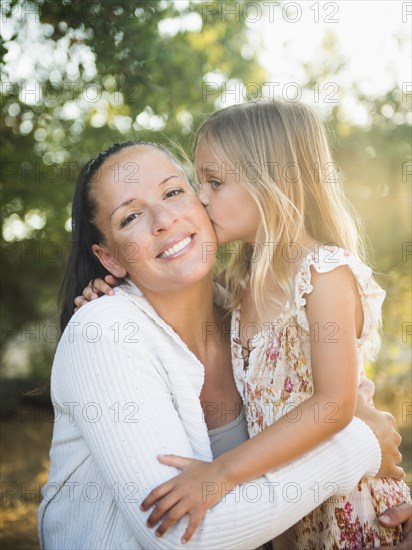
177, 247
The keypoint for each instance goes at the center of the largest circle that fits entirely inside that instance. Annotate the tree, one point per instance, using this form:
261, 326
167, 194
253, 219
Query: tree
77, 77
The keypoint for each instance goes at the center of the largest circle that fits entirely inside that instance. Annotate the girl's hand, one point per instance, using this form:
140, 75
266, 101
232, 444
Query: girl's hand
399, 515
200, 486
96, 288
384, 426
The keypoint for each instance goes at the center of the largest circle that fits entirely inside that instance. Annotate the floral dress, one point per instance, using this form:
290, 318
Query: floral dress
277, 377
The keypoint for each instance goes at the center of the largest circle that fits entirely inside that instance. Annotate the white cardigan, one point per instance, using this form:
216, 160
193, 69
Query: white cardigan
126, 388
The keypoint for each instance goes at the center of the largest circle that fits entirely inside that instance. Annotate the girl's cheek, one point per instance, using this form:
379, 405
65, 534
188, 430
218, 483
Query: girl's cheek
213, 201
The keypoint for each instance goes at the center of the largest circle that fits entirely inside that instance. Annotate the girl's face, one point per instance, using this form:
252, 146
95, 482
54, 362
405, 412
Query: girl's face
155, 227
231, 209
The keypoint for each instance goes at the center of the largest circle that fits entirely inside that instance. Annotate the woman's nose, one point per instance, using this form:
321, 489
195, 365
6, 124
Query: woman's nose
163, 218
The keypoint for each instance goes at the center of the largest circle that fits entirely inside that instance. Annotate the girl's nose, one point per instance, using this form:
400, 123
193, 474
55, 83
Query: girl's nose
203, 196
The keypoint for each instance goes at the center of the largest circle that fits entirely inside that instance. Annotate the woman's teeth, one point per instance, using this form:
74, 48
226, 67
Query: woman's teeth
175, 248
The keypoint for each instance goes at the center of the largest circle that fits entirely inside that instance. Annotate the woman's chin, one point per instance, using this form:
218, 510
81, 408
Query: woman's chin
194, 276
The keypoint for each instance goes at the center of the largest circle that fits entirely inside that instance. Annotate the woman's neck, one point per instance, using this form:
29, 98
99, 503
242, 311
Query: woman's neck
189, 311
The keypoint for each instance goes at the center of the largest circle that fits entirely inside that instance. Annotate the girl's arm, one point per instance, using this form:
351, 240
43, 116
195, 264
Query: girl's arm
332, 307
95, 288
334, 303
100, 287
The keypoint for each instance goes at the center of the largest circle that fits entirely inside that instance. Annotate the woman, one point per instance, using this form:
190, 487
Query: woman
134, 376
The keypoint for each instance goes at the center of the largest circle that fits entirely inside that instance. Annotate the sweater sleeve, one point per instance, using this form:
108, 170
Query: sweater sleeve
124, 409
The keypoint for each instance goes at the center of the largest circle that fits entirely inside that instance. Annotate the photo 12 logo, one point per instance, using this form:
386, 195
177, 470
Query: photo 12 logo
235, 91
254, 12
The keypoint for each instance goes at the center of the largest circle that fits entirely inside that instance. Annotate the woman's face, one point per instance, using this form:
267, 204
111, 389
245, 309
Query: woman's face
231, 209
155, 227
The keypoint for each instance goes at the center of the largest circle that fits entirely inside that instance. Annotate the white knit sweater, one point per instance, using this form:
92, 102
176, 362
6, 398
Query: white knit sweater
125, 389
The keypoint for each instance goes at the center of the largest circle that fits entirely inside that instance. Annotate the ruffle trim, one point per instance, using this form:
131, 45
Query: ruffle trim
326, 259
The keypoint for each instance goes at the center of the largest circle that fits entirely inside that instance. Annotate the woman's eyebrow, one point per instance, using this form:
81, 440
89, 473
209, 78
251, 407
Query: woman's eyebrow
125, 203
167, 179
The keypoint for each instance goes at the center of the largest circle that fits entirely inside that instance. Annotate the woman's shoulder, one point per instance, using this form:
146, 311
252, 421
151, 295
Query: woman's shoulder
104, 308
108, 332
126, 305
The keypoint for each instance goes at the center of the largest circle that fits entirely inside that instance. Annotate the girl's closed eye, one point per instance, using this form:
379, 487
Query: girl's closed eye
215, 184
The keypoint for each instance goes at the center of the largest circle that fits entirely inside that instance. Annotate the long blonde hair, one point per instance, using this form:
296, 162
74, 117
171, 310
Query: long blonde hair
280, 153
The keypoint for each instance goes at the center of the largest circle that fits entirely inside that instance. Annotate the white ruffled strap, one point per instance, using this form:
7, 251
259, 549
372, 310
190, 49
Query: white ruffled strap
326, 259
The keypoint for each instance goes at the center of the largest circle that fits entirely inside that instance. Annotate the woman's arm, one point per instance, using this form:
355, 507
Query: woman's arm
335, 376
108, 372
382, 424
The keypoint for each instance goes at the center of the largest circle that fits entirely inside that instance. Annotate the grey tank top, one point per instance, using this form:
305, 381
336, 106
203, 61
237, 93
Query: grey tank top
229, 436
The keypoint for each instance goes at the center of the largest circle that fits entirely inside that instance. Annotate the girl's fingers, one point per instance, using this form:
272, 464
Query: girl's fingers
100, 286
156, 494
89, 294
162, 507
79, 301
193, 525
179, 462
175, 514
95, 288
112, 281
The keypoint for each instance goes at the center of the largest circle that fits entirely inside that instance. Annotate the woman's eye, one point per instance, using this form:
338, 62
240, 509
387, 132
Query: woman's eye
129, 219
174, 192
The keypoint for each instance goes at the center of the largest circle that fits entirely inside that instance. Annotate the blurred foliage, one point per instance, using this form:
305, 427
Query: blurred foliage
108, 74
100, 72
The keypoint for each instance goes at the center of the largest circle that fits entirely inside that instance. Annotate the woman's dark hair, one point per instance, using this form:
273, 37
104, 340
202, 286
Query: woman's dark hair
82, 264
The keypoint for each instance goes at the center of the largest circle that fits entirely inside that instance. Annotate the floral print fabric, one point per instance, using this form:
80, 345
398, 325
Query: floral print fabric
278, 377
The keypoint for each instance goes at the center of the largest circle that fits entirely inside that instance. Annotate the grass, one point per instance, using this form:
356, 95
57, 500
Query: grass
25, 443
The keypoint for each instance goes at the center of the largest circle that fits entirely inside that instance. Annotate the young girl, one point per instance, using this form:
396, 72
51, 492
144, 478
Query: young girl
305, 311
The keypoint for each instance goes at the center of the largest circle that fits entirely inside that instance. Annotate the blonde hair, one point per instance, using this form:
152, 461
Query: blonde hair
280, 153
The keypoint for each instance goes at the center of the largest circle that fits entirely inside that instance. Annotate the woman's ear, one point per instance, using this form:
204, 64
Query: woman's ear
106, 258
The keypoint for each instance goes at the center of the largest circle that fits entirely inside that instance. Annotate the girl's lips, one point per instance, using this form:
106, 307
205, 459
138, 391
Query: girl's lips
178, 252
